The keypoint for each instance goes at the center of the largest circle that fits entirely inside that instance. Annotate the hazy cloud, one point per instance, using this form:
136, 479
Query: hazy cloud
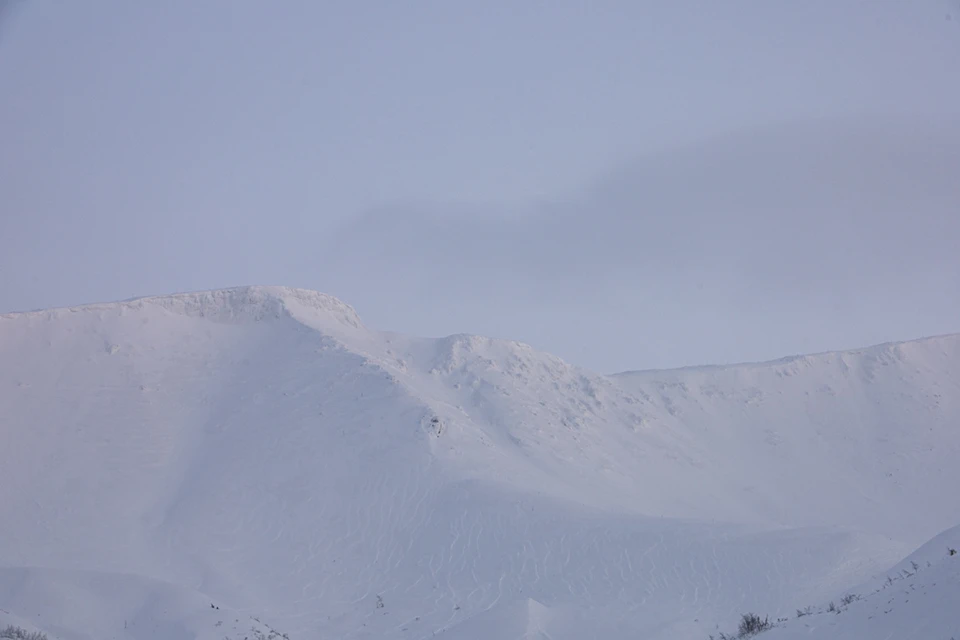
624, 191
834, 220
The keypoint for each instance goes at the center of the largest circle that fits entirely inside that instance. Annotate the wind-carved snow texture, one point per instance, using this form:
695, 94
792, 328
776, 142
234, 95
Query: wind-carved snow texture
260, 450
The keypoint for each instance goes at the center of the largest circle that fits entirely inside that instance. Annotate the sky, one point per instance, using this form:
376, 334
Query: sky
628, 185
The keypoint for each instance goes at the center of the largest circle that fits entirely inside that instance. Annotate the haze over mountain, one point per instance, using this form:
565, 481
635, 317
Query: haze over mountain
566, 175
261, 450
621, 187
811, 235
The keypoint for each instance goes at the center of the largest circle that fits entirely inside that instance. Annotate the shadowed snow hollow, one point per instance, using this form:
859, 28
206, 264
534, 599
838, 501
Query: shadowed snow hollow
259, 448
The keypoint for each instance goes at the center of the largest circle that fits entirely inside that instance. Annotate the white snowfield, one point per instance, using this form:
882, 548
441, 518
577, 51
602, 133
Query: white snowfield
260, 450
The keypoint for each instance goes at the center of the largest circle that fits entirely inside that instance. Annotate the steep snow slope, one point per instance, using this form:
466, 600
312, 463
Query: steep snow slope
261, 449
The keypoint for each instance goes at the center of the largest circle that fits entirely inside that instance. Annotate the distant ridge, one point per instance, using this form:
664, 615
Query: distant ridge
261, 302
854, 351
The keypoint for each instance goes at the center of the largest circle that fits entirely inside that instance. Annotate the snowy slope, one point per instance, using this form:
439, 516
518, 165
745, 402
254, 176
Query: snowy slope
261, 449
916, 600
872, 432
88, 604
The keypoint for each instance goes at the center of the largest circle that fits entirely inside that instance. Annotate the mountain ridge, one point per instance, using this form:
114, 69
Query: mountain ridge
277, 298
255, 302
852, 351
264, 449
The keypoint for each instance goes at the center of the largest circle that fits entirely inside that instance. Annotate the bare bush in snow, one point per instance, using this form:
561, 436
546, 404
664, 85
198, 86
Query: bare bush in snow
18, 633
751, 624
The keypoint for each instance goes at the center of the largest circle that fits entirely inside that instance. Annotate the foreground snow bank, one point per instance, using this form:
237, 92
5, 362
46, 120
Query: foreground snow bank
915, 600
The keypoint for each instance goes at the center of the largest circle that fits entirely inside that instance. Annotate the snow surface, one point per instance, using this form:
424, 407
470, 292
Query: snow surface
260, 450
917, 600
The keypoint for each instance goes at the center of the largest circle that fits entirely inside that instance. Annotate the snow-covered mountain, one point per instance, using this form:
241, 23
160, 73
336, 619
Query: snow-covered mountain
260, 450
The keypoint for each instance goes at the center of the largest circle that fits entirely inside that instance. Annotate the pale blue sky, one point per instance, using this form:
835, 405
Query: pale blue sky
626, 184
